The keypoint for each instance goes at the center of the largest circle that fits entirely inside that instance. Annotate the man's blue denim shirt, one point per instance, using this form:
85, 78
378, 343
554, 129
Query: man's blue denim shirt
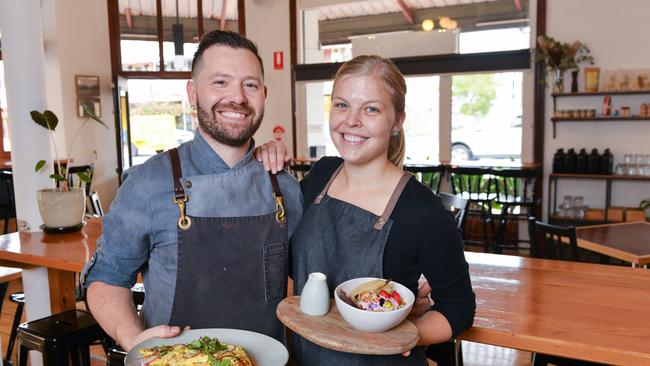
139, 230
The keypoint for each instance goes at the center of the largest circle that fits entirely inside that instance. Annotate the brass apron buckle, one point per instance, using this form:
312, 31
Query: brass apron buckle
280, 216
184, 222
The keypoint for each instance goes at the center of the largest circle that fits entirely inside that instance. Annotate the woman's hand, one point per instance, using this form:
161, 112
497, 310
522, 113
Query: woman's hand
422, 300
273, 156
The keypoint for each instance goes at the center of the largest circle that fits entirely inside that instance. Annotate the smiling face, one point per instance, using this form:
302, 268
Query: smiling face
362, 118
228, 92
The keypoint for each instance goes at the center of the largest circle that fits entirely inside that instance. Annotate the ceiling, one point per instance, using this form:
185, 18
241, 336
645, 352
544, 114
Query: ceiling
377, 7
186, 8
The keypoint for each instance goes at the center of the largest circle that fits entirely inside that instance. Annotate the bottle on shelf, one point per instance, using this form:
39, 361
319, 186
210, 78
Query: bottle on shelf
570, 161
558, 161
581, 162
593, 162
606, 162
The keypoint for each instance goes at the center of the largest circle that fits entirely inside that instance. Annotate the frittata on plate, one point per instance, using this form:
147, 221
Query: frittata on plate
205, 351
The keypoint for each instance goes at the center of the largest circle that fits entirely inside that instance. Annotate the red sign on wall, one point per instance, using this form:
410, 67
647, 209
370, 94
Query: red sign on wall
278, 132
278, 60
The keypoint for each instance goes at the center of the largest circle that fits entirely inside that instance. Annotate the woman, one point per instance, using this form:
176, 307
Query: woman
365, 217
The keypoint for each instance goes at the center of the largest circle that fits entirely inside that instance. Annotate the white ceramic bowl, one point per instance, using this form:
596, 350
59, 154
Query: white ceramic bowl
372, 321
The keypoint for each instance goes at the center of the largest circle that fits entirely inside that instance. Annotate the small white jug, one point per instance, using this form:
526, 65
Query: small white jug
315, 296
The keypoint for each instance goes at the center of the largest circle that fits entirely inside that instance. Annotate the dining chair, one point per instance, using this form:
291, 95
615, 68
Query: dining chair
551, 245
96, 204
457, 205
73, 178
515, 199
429, 175
475, 185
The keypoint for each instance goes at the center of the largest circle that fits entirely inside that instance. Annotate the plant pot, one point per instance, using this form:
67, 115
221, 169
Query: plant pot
62, 209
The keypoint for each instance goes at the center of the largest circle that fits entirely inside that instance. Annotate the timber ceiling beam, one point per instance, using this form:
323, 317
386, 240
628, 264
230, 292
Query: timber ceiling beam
406, 11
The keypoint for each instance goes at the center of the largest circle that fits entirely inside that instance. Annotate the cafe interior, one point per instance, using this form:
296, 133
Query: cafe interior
529, 119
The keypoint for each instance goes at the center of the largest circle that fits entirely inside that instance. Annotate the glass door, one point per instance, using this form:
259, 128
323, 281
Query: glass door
125, 148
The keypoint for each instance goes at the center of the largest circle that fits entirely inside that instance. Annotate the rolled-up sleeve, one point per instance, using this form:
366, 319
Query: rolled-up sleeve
123, 247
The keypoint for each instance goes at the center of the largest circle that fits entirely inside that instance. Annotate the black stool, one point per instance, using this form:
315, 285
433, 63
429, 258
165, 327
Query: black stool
58, 336
19, 299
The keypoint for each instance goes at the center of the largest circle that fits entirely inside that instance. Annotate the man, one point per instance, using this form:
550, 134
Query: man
205, 225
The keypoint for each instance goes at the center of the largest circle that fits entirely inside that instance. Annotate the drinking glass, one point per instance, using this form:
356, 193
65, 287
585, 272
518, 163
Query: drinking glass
628, 159
620, 169
565, 206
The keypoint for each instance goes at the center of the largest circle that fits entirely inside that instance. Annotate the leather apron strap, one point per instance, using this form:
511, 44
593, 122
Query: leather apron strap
180, 198
388, 210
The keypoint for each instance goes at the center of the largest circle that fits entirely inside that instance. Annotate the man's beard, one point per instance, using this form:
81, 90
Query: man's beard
211, 125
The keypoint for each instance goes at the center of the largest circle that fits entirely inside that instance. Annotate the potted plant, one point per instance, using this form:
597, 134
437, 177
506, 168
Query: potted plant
560, 57
61, 208
645, 206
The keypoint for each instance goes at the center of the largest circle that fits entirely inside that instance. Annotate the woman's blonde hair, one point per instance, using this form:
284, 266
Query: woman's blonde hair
394, 84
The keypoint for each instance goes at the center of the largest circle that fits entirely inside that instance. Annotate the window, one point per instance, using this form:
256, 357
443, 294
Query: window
336, 33
471, 41
155, 39
160, 117
486, 117
152, 46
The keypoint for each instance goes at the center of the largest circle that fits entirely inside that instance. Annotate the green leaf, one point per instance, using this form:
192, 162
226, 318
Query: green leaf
224, 362
92, 115
38, 118
84, 177
51, 119
57, 177
39, 165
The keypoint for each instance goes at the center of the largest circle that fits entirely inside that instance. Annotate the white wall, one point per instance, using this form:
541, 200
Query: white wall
77, 43
616, 33
268, 27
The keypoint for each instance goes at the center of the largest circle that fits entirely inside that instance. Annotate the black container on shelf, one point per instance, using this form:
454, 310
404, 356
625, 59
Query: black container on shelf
570, 160
593, 162
581, 161
558, 161
607, 162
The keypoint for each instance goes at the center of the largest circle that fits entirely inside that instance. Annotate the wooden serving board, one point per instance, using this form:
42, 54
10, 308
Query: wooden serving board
332, 332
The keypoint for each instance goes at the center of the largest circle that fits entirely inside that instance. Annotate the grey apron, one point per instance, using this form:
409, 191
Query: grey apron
342, 241
232, 271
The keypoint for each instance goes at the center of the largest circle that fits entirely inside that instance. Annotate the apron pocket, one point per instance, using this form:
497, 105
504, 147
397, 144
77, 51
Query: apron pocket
275, 271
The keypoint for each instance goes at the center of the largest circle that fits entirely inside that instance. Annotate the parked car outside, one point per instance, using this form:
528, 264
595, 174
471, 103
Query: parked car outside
473, 138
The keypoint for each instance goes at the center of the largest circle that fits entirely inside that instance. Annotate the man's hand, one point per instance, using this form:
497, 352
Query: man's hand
162, 331
273, 156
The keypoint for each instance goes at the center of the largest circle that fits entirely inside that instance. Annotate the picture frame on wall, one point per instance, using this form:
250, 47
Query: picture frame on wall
87, 85
91, 104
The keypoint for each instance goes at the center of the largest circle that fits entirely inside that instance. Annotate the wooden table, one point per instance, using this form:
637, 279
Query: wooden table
627, 241
578, 310
61, 254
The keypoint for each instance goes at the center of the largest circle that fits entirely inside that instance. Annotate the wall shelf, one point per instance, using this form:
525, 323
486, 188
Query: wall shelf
596, 118
603, 93
552, 206
600, 176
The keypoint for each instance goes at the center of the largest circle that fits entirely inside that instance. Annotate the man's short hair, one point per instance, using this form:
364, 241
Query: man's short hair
224, 38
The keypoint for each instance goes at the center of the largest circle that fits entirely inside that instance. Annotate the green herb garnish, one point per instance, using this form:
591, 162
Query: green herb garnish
210, 346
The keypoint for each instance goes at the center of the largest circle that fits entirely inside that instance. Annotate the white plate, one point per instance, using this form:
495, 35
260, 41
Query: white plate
264, 350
